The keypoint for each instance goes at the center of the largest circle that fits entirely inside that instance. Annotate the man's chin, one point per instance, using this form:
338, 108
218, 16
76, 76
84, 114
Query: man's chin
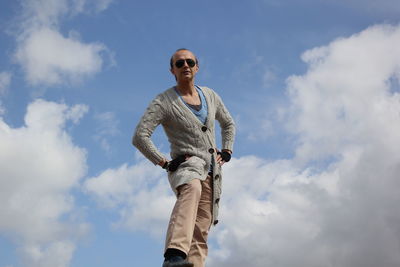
186, 78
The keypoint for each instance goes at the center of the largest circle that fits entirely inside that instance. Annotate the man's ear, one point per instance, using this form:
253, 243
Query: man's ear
173, 73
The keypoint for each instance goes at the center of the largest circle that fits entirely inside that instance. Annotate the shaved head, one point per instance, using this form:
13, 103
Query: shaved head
171, 62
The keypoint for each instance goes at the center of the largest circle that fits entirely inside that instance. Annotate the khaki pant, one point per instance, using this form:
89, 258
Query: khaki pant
191, 220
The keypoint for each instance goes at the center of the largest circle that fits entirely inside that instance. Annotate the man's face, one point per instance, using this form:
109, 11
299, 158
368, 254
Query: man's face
184, 73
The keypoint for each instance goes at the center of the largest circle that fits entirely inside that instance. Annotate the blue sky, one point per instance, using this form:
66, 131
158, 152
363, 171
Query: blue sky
312, 85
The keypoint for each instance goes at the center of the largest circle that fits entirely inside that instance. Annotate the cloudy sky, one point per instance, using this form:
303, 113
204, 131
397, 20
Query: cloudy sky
314, 88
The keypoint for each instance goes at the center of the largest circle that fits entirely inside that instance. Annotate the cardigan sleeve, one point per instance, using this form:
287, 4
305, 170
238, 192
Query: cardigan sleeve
226, 122
153, 116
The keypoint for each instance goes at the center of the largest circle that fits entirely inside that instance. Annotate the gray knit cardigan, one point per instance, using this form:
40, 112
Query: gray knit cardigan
187, 135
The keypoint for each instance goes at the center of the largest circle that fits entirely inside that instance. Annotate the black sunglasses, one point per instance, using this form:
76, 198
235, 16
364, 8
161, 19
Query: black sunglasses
179, 63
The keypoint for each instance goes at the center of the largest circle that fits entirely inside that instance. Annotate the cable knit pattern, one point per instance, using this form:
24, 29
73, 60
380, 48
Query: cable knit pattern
187, 135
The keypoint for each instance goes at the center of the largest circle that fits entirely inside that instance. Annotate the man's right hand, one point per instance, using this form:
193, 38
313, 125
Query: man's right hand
174, 164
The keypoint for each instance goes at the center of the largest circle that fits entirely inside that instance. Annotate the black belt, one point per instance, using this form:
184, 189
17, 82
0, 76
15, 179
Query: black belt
173, 165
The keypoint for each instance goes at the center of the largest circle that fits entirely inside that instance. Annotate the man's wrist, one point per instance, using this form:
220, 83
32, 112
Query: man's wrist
227, 150
165, 165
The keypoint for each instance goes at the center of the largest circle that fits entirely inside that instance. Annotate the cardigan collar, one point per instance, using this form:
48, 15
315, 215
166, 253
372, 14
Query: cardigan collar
186, 109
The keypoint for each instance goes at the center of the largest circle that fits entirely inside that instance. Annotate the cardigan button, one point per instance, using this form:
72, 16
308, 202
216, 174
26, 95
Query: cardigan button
217, 201
204, 128
215, 222
216, 176
211, 150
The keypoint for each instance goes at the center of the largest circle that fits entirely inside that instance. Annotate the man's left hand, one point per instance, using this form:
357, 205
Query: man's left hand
223, 156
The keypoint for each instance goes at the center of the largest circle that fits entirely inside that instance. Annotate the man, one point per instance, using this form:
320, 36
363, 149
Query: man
187, 113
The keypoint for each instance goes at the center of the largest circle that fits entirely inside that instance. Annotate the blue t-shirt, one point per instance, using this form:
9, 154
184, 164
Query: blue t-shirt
203, 112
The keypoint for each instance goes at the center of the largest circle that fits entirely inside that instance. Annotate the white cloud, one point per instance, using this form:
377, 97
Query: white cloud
346, 81
39, 165
90, 5
269, 76
45, 54
5, 80
383, 7
48, 13
49, 58
335, 203
265, 129
107, 127
140, 193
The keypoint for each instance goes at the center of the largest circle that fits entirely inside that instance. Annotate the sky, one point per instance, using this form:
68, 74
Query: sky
313, 87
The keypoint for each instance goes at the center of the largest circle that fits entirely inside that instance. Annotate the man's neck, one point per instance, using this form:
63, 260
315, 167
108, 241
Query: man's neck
186, 88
